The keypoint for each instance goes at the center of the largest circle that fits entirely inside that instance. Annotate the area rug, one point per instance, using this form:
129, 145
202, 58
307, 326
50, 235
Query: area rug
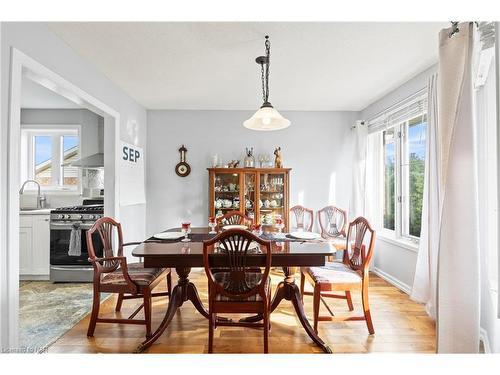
48, 310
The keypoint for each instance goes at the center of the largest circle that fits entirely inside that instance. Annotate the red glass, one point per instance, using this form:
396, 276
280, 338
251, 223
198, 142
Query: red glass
185, 225
279, 220
211, 219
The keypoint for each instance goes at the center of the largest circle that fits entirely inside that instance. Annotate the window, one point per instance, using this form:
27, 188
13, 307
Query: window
46, 156
400, 133
404, 164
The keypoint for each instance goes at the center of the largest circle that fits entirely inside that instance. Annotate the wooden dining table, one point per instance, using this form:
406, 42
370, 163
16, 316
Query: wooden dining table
286, 253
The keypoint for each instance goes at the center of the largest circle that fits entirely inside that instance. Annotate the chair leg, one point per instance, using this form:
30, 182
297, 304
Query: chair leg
119, 302
366, 309
169, 284
266, 332
147, 310
316, 300
95, 312
211, 333
302, 285
349, 300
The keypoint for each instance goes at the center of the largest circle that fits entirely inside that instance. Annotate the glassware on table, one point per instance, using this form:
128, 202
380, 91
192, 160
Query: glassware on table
212, 225
186, 229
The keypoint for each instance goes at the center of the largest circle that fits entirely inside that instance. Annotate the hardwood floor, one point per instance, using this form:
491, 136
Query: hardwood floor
401, 325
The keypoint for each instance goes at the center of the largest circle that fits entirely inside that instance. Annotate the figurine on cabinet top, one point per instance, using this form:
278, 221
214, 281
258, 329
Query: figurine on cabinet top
278, 162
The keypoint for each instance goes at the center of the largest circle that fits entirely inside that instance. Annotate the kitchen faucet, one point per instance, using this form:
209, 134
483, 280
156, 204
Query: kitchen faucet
39, 199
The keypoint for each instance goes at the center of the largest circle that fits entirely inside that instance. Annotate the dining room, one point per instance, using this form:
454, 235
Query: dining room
279, 187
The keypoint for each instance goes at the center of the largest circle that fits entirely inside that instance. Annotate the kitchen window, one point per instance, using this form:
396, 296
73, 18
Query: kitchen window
46, 156
401, 171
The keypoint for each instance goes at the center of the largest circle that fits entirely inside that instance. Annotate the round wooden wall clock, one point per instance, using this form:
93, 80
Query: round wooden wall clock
182, 168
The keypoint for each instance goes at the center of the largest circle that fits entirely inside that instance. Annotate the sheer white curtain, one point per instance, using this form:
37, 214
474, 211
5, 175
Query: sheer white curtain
357, 205
458, 308
425, 281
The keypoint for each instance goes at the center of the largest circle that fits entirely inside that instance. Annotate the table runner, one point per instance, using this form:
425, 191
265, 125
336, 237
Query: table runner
200, 237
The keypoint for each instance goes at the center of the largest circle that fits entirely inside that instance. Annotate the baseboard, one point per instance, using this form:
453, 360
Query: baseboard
483, 336
392, 280
34, 277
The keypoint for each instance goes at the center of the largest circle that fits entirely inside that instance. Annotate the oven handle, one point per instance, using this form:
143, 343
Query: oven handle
69, 226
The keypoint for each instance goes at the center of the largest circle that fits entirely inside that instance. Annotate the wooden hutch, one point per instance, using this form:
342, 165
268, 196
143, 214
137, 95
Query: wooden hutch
260, 193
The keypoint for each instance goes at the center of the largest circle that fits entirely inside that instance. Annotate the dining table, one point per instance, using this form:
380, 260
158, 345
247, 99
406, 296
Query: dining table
287, 253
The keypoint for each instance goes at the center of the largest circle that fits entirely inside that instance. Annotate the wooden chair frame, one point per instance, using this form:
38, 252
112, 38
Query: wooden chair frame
110, 263
237, 242
233, 218
299, 212
356, 258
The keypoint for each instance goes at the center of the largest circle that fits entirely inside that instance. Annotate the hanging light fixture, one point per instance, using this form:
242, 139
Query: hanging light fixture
266, 118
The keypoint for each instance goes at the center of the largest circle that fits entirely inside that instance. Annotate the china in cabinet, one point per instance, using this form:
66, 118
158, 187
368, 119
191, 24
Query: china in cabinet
262, 194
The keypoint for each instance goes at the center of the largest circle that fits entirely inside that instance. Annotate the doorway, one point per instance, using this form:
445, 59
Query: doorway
24, 67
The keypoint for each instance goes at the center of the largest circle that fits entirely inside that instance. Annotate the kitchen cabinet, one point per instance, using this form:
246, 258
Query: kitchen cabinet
34, 246
259, 193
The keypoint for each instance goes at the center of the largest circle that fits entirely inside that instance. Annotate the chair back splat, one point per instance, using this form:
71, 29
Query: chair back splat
332, 221
356, 255
304, 217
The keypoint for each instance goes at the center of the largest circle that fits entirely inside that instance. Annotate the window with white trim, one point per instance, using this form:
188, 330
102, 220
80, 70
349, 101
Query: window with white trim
46, 156
403, 145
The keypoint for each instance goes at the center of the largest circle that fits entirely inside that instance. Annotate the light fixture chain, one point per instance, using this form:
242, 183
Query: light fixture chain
268, 55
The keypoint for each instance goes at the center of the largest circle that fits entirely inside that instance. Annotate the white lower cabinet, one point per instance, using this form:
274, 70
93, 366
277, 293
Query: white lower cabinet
34, 247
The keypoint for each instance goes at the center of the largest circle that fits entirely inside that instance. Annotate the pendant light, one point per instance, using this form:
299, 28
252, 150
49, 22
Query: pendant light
266, 118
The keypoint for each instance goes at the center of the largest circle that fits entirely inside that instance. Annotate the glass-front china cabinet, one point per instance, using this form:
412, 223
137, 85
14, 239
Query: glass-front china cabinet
259, 193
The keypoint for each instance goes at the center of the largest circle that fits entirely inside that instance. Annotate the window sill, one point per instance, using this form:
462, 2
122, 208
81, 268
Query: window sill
53, 192
389, 237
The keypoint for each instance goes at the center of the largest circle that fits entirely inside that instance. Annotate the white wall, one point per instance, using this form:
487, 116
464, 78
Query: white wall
38, 42
392, 261
317, 146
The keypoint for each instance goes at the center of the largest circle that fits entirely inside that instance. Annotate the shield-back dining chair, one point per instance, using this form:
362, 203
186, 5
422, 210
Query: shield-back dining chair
303, 218
234, 218
350, 274
333, 223
237, 288
112, 274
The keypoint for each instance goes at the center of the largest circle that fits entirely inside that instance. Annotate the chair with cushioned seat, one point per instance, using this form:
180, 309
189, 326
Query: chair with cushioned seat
112, 274
350, 274
237, 288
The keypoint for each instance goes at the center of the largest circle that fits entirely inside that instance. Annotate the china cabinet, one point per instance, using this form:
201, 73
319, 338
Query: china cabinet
259, 193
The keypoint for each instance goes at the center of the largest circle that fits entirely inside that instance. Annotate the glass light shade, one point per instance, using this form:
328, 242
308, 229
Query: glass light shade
266, 119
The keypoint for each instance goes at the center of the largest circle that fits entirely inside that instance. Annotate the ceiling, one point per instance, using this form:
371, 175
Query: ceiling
314, 66
34, 95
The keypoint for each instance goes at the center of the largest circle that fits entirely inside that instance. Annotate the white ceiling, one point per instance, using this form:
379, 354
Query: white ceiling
34, 95
314, 66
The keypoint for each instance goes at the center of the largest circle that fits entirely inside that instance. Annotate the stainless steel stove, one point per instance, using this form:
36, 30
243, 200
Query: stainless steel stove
68, 244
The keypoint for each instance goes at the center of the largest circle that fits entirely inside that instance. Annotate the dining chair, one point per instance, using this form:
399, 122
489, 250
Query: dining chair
304, 218
233, 218
238, 288
333, 222
112, 274
350, 274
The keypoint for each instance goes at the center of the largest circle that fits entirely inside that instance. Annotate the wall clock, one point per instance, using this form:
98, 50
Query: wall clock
182, 168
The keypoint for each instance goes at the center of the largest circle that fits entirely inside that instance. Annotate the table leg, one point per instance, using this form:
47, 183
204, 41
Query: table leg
288, 290
183, 291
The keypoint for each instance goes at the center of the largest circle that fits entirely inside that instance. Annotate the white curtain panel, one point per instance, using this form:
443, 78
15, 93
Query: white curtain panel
374, 186
425, 281
458, 310
357, 206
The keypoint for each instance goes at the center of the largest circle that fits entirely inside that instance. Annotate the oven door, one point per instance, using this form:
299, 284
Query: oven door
60, 235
